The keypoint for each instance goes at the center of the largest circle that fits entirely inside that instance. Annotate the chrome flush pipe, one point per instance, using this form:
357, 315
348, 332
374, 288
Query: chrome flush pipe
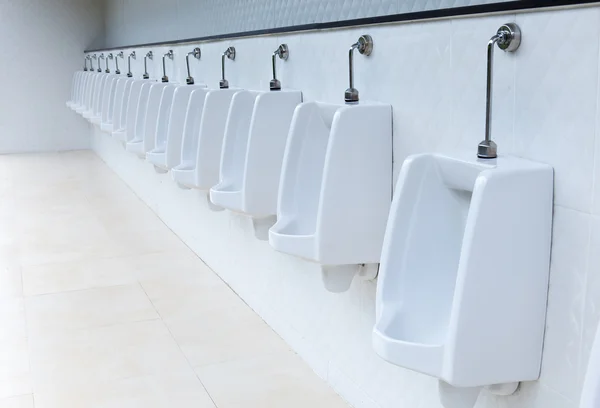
283, 53
92, 62
364, 45
99, 65
110, 56
129, 57
508, 39
197, 54
85, 60
229, 53
149, 55
117, 70
169, 55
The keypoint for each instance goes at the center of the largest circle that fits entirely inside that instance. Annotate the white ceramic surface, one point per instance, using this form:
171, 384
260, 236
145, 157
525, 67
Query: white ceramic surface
463, 280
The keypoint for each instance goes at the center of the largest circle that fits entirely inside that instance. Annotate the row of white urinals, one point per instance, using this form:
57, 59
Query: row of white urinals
462, 249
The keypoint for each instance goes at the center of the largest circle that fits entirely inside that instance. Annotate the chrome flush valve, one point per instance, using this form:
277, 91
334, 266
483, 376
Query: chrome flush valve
110, 56
364, 45
283, 53
229, 53
99, 58
132, 55
117, 70
149, 55
169, 55
197, 54
508, 39
87, 57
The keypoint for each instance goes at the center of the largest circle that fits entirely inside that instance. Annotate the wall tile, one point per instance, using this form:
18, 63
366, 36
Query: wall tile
556, 82
564, 321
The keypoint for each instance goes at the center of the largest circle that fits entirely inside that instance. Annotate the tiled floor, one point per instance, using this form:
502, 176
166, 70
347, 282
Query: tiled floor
101, 305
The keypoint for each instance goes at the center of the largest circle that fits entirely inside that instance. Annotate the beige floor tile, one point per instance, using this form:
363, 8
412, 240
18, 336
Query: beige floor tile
22, 401
76, 357
272, 381
165, 390
15, 377
78, 275
221, 335
192, 293
88, 308
171, 266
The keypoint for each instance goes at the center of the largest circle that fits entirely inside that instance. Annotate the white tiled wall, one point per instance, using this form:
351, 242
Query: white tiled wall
433, 73
42, 42
145, 21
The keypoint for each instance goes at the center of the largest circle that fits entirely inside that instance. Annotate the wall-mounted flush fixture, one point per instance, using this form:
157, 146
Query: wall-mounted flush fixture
508, 38
229, 53
489, 224
109, 57
196, 53
283, 53
332, 152
85, 60
364, 45
149, 55
169, 55
93, 57
119, 55
132, 55
99, 65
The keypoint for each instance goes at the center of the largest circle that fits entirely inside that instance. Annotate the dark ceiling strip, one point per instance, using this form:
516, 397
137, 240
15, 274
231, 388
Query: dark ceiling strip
392, 18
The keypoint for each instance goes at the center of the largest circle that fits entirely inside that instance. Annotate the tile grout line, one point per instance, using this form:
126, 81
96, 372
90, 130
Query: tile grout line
177, 343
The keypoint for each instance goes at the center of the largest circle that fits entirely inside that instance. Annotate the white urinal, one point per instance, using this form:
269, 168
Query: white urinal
96, 101
90, 92
335, 189
463, 279
80, 91
103, 89
175, 122
202, 172
120, 108
145, 134
74, 82
87, 91
136, 107
590, 396
118, 91
182, 148
255, 137
107, 100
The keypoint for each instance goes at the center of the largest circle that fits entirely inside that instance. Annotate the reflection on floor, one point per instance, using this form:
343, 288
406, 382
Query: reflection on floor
101, 305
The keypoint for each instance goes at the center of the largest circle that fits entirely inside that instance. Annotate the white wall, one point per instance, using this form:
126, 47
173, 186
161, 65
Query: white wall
42, 44
433, 73
146, 21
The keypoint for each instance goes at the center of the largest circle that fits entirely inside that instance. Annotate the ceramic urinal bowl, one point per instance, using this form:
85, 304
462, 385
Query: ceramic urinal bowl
175, 122
80, 91
120, 108
90, 92
255, 137
201, 152
108, 95
335, 188
145, 134
183, 147
135, 111
463, 279
74, 84
96, 102
116, 94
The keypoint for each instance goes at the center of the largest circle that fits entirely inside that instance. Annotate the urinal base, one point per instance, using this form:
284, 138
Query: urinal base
338, 278
262, 226
212, 206
160, 170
